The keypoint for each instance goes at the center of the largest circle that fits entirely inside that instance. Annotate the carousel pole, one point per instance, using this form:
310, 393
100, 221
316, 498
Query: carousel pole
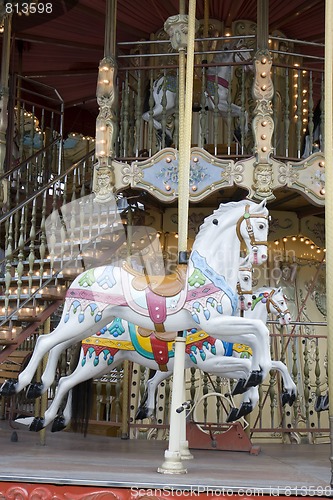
173, 463
329, 204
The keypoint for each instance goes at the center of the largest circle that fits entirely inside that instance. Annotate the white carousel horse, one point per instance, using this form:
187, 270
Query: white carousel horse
210, 356
164, 89
121, 341
206, 299
117, 338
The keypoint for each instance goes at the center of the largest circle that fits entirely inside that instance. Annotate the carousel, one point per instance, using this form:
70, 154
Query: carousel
164, 250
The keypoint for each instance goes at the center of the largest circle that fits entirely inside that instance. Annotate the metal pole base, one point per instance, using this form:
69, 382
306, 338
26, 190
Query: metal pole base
172, 464
185, 453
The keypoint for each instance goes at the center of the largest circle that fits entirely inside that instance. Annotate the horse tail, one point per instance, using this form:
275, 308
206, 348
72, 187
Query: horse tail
81, 406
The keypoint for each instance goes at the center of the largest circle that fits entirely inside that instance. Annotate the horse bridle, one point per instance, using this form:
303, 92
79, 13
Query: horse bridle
240, 54
247, 216
269, 300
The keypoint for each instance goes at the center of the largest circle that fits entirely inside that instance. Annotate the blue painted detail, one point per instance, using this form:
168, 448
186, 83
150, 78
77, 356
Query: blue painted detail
206, 313
219, 281
83, 362
105, 354
193, 358
81, 317
202, 355
110, 360
66, 318
98, 317
213, 349
116, 328
107, 280
228, 348
219, 308
195, 317
93, 308
91, 351
96, 361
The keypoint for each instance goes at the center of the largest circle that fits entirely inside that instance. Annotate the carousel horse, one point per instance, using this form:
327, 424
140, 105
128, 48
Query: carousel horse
205, 299
164, 89
210, 356
121, 341
309, 147
117, 339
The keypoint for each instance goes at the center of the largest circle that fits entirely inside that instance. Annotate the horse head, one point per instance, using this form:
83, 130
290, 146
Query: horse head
242, 54
277, 305
244, 283
252, 229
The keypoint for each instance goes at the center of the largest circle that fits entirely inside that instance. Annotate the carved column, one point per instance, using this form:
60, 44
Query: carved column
263, 125
106, 122
329, 205
6, 20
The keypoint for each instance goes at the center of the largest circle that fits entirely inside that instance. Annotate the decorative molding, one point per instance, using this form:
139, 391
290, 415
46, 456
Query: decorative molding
307, 177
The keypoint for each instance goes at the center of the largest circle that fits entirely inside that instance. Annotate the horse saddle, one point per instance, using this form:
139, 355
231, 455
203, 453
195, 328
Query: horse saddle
164, 286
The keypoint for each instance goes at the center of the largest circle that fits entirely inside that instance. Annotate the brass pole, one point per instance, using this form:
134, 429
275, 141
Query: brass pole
329, 204
185, 145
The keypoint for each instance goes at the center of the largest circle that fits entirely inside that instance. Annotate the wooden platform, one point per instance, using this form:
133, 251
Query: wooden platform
71, 461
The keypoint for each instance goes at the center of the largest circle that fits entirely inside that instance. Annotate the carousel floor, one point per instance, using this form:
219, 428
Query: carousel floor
71, 459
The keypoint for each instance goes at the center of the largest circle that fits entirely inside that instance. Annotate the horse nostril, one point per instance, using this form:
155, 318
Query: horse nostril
264, 257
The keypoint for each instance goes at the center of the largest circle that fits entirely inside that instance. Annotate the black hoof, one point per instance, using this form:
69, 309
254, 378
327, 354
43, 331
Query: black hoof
240, 387
37, 424
244, 409
232, 416
142, 412
34, 390
8, 388
58, 424
254, 379
321, 403
288, 398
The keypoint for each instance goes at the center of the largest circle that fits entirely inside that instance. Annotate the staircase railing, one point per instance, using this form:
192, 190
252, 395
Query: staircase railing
26, 266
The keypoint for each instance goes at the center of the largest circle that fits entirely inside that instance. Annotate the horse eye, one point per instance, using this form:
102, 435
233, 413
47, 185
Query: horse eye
246, 278
215, 221
261, 226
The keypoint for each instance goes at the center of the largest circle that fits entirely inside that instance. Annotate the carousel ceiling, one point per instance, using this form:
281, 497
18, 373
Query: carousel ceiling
62, 48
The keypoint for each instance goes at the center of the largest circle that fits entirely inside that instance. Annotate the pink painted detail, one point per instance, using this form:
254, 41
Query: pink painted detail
202, 291
221, 81
156, 307
105, 298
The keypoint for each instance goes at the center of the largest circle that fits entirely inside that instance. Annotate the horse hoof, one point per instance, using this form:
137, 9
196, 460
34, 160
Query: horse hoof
8, 388
34, 390
254, 379
232, 416
244, 409
240, 387
285, 398
142, 412
58, 424
37, 424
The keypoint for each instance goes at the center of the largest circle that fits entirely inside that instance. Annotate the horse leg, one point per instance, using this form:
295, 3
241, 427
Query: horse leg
289, 388
148, 401
79, 375
251, 332
36, 389
249, 402
71, 331
157, 112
